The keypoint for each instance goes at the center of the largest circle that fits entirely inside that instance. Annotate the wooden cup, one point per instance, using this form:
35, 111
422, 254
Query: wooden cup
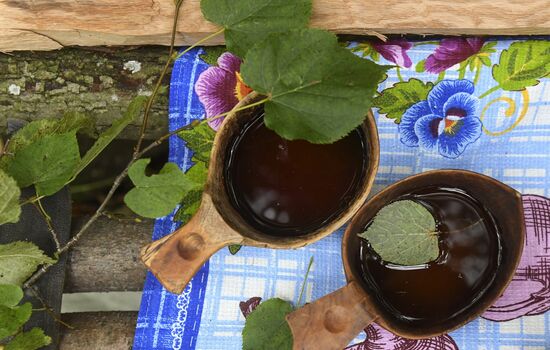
176, 258
331, 322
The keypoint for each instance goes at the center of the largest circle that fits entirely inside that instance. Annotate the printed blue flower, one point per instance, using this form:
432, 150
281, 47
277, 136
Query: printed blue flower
447, 121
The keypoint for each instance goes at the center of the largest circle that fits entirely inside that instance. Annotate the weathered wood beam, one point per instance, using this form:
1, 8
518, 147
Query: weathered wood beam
99, 330
107, 257
35, 85
52, 24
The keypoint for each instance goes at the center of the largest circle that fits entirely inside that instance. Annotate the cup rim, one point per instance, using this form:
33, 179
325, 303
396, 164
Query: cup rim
215, 186
418, 332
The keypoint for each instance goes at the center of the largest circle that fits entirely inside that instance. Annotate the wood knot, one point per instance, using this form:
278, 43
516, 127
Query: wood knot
190, 246
335, 319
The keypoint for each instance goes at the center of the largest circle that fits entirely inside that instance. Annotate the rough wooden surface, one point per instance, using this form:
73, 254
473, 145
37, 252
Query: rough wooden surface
107, 257
93, 82
99, 331
51, 24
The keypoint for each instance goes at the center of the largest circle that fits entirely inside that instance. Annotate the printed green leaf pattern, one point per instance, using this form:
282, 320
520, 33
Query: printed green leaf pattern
47, 163
266, 327
522, 65
196, 178
394, 101
18, 260
199, 139
31, 340
248, 22
9, 205
403, 233
318, 91
132, 113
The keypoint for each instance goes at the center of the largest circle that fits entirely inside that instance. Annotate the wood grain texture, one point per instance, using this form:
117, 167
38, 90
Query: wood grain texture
51, 24
107, 258
99, 331
330, 323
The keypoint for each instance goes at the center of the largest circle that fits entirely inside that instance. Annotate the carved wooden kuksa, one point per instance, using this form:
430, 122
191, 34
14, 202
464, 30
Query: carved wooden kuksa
51, 24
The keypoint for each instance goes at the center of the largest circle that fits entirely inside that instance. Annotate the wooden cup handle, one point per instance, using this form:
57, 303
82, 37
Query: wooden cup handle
176, 258
331, 322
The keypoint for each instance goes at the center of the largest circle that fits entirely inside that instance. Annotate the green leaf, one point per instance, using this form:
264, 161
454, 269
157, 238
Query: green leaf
31, 340
522, 65
12, 318
10, 295
196, 178
266, 327
47, 163
234, 248
157, 195
200, 140
485, 60
18, 260
420, 66
9, 205
404, 233
132, 113
396, 100
212, 53
318, 91
247, 22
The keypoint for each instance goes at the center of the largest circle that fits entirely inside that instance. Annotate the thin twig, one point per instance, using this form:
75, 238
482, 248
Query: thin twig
48, 309
38, 205
304, 283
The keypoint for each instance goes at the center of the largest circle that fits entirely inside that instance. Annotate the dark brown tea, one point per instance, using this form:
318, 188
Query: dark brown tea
291, 188
430, 294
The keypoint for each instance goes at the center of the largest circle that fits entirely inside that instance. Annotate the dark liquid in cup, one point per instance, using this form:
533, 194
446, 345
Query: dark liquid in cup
291, 188
436, 292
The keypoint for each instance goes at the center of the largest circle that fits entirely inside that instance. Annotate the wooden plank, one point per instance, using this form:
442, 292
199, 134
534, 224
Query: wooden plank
91, 81
99, 331
107, 257
51, 24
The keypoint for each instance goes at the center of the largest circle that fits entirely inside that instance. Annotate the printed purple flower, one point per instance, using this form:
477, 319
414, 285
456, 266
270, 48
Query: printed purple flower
452, 51
220, 88
446, 121
394, 51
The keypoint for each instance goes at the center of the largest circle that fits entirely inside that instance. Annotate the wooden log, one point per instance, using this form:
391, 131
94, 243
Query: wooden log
46, 84
107, 257
52, 24
99, 331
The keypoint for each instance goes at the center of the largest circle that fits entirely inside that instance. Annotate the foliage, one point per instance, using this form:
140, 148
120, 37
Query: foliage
18, 260
248, 22
403, 233
317, 90
200, 140
394, 101
266, 327
522, 65
10, 193
212, 53
13, 317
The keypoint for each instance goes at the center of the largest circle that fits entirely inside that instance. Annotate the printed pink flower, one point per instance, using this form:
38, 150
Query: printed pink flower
220, 88
452, 51
394, 51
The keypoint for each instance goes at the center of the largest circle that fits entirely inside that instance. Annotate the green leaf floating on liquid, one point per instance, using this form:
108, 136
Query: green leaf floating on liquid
404, 233
18, 261
10, 209
266, 327
248, 22
318, 91
396, 100
523, 64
